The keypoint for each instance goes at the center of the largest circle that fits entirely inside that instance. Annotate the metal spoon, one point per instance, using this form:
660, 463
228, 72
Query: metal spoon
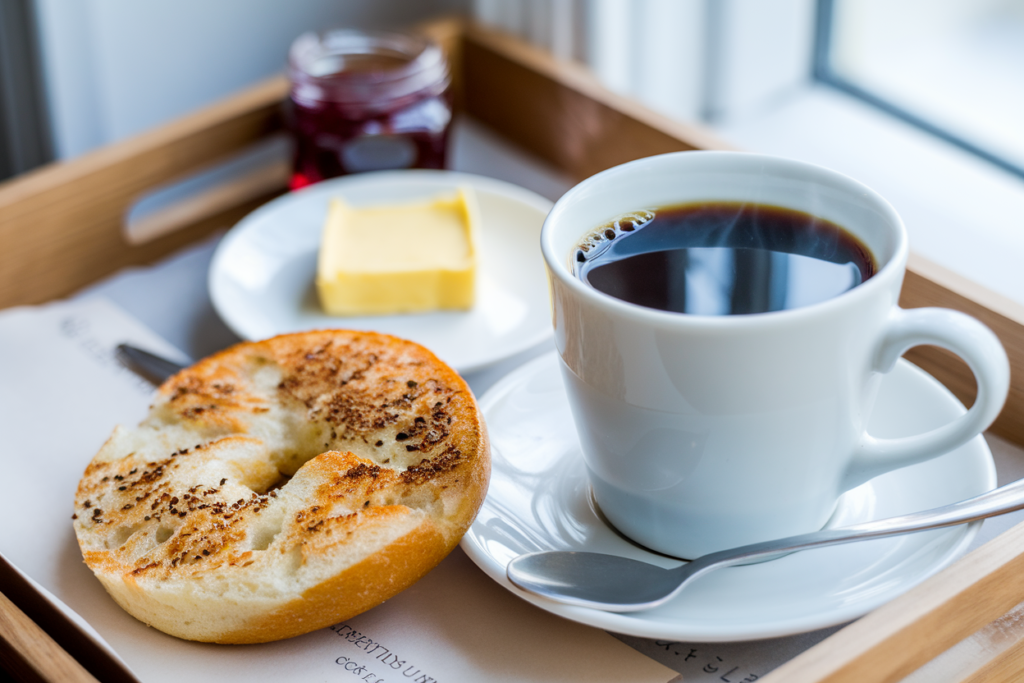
619, 584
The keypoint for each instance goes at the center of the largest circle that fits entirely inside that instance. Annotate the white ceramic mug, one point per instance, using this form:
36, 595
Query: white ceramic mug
707, 432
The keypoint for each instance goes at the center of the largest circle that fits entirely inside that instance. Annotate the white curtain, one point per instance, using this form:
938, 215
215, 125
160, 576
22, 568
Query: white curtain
653, 50
695, 60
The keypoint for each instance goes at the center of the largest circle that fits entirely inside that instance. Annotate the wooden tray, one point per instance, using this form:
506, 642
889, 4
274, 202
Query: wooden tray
61, 228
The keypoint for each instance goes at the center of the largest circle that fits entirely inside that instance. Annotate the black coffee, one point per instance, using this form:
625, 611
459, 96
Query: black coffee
722, 258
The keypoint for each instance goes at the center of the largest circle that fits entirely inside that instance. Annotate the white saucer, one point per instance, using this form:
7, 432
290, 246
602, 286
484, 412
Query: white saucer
262, 275
539, 499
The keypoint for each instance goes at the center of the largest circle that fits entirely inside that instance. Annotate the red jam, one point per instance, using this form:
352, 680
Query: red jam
366, 101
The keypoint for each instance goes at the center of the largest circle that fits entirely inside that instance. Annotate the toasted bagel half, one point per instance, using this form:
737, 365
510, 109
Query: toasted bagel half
285, 485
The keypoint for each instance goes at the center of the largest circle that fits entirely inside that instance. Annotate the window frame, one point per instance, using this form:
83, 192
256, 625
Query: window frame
961, 211
824, 72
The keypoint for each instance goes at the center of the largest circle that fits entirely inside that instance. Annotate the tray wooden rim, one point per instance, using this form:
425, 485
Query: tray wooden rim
69, 216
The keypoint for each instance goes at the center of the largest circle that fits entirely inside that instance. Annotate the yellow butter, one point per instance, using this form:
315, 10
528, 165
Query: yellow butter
399, 258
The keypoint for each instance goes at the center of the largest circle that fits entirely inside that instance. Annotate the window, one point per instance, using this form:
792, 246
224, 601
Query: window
952, 67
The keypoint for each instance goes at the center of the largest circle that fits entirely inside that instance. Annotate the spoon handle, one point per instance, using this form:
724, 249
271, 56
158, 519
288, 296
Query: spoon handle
1002, 500
619, 584
149, 366
998, 501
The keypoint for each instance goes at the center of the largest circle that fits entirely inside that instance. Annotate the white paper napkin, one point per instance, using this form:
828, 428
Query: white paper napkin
61, 393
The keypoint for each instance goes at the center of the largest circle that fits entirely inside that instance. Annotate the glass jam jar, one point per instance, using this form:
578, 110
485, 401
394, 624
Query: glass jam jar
367, 101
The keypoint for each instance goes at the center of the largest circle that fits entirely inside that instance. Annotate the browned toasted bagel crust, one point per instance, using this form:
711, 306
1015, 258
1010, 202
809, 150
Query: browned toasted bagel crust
282, 486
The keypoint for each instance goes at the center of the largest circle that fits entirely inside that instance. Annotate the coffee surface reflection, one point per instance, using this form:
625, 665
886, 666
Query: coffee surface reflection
722, 258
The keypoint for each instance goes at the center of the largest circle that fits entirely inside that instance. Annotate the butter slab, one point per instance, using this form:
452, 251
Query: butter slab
399, 258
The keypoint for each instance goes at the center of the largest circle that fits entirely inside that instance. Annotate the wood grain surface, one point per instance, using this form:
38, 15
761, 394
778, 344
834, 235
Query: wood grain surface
29, 654
559, 112
994, 654
891, 642
61, 225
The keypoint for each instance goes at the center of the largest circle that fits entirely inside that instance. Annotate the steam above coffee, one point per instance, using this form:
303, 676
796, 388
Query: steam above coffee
722, 258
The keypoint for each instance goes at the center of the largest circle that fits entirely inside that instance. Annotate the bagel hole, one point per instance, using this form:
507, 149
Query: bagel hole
280, 482
121, 536
264, 534
288, 463
163, 533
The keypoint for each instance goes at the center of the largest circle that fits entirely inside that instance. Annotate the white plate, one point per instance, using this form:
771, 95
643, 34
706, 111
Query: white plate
539, 499
262, 275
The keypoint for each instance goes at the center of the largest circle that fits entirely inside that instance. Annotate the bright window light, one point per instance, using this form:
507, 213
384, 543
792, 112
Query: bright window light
955, 67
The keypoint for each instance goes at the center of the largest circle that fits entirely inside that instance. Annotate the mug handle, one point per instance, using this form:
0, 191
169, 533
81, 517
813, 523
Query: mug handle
964, 336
